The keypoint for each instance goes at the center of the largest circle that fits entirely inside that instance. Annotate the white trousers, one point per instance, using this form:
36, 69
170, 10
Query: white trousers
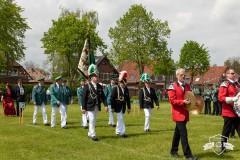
66, 110
84, 118
43, 108
120, 128
111, 118
147, 112
63, 114
92, 121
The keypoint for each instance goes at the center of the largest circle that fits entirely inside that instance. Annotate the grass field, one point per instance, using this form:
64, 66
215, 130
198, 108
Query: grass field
29, 141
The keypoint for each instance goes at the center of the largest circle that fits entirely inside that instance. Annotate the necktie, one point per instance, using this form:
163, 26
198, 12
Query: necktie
183, 86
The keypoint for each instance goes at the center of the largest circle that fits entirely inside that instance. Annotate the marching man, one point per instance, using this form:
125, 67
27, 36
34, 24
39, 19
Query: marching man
107, 92
67, 95
180, 115
146, 98
58, 102
79, 95
92, 97
39, 99
226, 95
119, 99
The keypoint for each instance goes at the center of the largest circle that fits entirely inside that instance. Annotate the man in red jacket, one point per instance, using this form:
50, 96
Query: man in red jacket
180, 115
226, 95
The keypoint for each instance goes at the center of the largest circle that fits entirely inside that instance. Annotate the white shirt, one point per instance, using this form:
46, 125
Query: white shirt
232, 81
94, 85
122, 90
148, 88
181, 85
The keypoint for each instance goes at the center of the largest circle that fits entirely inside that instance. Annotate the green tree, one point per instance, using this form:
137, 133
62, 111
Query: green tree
64, 41
234, 63
164, 64
12, 29
137, 37
194, 58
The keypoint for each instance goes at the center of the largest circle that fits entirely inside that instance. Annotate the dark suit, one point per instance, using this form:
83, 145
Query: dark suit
19, 97
88, 102
118, 105
152, 95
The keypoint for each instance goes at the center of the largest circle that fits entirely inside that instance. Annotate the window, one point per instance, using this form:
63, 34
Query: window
156, 78
197, 79
187, 80
14, 72
171, 78
163, 78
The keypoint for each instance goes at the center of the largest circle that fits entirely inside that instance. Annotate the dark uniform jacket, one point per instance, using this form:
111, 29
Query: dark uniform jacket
147, 100
18, 96
92, 97
119, 102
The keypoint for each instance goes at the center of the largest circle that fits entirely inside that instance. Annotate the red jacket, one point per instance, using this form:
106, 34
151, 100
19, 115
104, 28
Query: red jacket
176, 98
227, 89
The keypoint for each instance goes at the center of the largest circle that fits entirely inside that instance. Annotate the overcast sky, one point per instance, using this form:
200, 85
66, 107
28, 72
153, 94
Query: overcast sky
214, 23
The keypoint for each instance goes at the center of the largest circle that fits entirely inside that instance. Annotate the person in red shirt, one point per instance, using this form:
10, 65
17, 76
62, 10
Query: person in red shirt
227, 95
180, 115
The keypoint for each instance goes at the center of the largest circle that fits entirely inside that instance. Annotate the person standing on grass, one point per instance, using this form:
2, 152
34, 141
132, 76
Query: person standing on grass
58, 102
227, 95
7, 101
180, 115
146, 98
20, 96
67, 95
119, 99
92, 97
207, 99
215, 100
107, 92
39, 99
79, 95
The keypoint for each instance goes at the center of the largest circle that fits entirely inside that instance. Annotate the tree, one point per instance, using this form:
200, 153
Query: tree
234, 63
194, 58
63, 42
30, 64
164, 64
137, 37
12, 29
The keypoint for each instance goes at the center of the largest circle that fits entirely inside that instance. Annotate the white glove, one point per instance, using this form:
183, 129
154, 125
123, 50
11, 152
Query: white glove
231, 99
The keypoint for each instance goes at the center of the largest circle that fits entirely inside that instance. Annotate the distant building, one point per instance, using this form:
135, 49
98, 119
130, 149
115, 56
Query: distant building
134, 77
105, 69
36, 74
16, 72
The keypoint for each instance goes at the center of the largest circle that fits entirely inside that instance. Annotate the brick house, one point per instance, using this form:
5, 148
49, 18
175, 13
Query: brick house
16, 72
36, 74
105, 69
134, 78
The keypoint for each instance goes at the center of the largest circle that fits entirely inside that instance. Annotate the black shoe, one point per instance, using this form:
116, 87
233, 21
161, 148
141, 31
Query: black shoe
65, 127
176, 155
147, 130
34, 123
94, 138
46, 124
113, 125
124, 136
191, 158
85, 127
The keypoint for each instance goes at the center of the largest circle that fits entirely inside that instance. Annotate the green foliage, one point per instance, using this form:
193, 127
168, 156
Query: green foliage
137, 37
194, 58
234, 63
164, 64
64, 41
12, 28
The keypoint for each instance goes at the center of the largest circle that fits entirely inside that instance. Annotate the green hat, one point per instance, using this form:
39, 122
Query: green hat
93, 71
145, 78
58, 78
82, 79
112, 77
40, 79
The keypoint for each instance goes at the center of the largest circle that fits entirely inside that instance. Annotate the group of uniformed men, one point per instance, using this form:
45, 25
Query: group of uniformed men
115, 98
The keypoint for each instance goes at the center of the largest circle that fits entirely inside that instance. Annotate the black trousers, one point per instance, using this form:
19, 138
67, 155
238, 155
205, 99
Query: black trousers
181, 133
207, 109
215, 108
220, 108
227, 127
235, 128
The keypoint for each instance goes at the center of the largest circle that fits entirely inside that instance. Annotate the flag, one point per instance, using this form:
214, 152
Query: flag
87, 58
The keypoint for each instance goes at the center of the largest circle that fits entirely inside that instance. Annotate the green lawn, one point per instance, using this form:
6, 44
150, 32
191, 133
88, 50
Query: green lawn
29, 141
